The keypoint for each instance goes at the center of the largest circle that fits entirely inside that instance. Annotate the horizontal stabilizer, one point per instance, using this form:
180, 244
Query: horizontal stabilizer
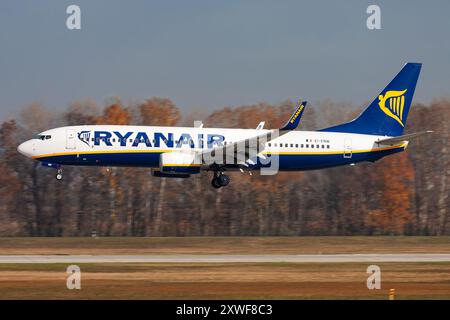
405, 137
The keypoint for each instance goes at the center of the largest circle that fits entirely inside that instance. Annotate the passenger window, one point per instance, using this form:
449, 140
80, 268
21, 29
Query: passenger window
301, 146
323, 147
274, 144
328, 146
296, 145
312, 146
269, 144
317, 146
292, 145
307, 145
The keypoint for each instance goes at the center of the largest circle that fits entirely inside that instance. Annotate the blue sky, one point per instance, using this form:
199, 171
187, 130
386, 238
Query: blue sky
208, 54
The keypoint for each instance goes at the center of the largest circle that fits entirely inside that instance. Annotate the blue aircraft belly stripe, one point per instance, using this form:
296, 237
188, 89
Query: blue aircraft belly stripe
159, 151
310, 162
287, 161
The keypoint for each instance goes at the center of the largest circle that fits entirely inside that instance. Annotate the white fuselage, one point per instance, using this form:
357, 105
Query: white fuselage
111, 145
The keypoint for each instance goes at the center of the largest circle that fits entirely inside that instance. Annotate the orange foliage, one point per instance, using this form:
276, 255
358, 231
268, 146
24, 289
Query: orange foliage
397, 177
159, 112
115, 114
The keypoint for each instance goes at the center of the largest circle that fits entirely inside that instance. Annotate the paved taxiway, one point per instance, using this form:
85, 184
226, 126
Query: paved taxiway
226, 258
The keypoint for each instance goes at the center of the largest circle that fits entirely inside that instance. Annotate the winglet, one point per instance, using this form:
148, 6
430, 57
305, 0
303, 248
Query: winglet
294, 120
261, 125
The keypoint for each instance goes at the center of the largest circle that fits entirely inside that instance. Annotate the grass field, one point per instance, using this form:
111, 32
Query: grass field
225, 280
225, 245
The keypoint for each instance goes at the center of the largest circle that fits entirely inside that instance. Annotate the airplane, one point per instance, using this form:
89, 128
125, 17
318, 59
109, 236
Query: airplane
179, 152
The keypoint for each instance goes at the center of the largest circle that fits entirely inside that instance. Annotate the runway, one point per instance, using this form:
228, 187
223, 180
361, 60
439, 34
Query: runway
226, 258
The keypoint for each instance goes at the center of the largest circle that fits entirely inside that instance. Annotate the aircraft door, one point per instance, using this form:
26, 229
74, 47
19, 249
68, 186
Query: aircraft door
348, 148
70, 139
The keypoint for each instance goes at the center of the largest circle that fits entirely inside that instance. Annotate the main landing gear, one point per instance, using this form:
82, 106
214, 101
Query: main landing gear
220, 180
59, 174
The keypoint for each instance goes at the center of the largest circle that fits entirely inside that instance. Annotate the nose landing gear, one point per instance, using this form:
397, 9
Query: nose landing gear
59, 174
220, 180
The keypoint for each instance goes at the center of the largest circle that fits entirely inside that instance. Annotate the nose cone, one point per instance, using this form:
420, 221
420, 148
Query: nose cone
26, 148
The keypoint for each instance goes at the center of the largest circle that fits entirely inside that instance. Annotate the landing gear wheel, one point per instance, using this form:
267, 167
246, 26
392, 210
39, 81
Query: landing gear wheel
220, 180
59, 175
216, 183
224, 180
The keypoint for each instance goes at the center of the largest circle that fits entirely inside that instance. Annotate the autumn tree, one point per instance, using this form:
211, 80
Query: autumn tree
82, 113
396, 192
10, 183
159, 112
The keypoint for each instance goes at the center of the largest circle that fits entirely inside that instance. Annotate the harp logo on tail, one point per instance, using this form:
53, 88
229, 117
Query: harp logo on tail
392, 104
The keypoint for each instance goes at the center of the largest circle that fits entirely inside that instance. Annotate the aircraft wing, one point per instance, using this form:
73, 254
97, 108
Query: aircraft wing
405, 137
243, 149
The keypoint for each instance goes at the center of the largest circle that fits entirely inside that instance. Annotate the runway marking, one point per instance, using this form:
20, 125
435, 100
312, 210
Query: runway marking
227, 258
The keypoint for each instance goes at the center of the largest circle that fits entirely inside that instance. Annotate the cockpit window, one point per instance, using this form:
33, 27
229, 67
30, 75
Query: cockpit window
43, 137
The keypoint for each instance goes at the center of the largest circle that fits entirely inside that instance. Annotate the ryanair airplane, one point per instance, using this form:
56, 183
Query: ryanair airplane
182, 151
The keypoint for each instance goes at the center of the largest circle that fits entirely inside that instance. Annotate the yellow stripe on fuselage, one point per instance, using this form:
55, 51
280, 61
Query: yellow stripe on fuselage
100, 152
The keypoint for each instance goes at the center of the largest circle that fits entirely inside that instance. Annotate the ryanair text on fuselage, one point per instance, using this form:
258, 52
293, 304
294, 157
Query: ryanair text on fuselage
150, 139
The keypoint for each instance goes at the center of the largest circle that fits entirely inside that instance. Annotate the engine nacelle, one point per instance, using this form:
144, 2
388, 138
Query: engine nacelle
179, 163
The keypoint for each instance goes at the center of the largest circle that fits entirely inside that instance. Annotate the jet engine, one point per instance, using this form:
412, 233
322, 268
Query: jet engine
179, 163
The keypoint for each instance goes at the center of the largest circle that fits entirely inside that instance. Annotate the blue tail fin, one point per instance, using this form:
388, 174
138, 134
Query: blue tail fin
387, 114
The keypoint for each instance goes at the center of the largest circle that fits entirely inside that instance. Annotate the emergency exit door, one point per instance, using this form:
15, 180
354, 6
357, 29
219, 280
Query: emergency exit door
70, 139
348, 148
